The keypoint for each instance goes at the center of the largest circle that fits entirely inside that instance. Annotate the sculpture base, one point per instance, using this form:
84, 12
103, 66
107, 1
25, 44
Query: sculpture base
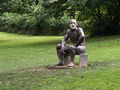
83, 60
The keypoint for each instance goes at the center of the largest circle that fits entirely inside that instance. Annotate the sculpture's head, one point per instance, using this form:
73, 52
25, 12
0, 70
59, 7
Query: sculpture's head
72, 24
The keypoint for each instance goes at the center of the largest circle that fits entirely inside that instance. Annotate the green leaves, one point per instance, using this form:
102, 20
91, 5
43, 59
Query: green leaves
96, 16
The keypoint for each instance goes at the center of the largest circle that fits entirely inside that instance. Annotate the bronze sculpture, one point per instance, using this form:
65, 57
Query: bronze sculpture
66, 53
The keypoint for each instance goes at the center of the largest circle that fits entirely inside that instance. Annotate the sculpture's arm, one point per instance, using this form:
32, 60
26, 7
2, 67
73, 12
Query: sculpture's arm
64, 40
81, 37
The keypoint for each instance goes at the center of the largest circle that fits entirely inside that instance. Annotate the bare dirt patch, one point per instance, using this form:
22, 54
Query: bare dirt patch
50, 68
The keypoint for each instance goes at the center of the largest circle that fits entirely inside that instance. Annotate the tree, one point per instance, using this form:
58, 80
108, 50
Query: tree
17, 6
103, 15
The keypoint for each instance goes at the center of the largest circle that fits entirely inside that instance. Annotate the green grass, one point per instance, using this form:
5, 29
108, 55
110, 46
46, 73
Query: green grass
19, 54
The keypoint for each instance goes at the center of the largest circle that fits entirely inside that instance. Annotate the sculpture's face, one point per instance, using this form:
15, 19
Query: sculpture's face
72, 24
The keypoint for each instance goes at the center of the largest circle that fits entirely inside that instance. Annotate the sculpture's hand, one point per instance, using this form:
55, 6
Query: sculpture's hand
75, 45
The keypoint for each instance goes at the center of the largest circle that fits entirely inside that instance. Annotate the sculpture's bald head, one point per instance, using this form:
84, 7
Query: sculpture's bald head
72, 24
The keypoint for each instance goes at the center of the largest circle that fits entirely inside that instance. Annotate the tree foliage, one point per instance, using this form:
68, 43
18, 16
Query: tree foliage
102, 15
98, 17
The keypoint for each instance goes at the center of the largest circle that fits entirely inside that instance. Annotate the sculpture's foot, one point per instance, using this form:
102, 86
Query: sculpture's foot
71, 65
58, 64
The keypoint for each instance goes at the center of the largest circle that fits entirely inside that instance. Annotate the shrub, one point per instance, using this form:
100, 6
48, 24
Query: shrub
13, 22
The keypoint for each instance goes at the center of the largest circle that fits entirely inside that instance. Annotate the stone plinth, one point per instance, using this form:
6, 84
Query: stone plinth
83, 60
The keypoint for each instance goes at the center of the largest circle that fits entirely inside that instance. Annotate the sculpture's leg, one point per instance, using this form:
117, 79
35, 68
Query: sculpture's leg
69, 57
58, 48
72, 54
80, 50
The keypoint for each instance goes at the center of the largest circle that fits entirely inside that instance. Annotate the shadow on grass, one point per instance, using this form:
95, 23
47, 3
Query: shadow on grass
55, 42
91, 65
102, 38
2, 41
39, 44
33, 44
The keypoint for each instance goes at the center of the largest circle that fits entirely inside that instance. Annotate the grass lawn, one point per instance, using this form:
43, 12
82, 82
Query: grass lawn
23, 60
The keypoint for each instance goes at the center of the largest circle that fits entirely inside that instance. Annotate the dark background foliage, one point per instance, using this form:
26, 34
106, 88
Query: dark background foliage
50, 17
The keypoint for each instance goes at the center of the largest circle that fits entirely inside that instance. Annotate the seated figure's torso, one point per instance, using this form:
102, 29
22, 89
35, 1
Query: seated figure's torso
74, 37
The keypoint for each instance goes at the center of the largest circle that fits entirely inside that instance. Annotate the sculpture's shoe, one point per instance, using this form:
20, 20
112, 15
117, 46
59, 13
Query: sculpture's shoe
58, 64
71, 65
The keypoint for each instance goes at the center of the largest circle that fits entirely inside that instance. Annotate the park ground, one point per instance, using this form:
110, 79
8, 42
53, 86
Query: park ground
23, 62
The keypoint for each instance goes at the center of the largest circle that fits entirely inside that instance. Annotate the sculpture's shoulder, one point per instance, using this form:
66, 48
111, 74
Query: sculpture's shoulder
80, 31
68, 31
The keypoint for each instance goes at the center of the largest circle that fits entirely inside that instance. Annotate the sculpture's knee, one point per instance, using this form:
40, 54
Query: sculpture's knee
58, 46
80, 50
83, 51
70, 50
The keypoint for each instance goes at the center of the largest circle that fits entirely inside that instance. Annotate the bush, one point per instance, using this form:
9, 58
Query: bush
56, 26
13, 22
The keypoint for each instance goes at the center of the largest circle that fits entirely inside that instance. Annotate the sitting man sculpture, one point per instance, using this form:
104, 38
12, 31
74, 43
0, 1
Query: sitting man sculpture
66, 53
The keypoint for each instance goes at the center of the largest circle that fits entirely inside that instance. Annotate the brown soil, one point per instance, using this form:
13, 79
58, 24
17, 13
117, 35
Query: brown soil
50, 68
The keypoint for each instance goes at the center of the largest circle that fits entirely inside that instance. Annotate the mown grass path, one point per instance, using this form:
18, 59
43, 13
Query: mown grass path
18, 52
